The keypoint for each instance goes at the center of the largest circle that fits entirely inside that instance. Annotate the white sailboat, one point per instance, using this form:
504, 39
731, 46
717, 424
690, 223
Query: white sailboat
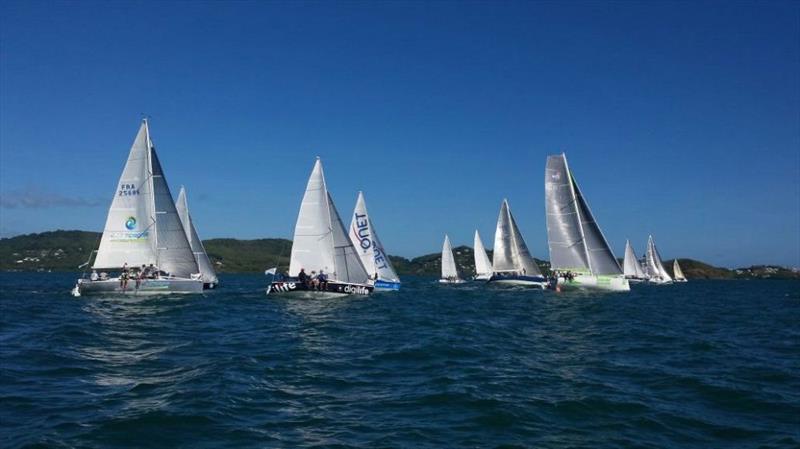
579, 253
654, 266
631, 268
513, 263
207, 273
369, 248
321, 246
676, 270
143, 239
483, 266
449, 270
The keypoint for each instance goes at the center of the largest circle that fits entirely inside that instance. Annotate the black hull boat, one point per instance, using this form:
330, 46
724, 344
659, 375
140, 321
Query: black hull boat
329, 289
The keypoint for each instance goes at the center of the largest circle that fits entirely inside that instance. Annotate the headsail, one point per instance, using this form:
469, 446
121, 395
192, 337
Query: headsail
575, 240
483, 266
448, 261
511, 254
203, 263
320, 240
367, 244
522, 255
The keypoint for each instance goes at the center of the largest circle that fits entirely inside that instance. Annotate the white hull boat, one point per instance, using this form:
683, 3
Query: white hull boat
656, 273
579, 253
370, 249
449, 270
143, 230
513, 263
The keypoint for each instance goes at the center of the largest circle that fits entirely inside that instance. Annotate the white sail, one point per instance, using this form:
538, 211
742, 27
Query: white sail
143, 226
575, 240
655, 267
128, 237
676, 270
448, 261
320, 240
631, 266
367, 244
511, 254
203, 263
483, 266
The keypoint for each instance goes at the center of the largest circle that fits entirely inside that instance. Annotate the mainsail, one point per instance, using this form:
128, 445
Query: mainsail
511, 254
483, 266
676, 270
320, 240
143, 226
367, 244
575, 240
655, 268
203, 263
631, 266
448, 261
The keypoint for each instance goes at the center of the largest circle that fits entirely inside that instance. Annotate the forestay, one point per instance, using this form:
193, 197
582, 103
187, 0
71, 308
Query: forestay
203, 263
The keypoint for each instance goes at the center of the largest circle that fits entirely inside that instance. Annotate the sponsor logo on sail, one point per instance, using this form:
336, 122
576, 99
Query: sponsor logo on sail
130, 223
361, 230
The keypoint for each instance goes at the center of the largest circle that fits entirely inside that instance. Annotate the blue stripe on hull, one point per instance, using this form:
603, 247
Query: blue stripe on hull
387, 285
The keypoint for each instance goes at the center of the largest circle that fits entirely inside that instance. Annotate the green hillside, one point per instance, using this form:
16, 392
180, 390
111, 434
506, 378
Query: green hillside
66, 250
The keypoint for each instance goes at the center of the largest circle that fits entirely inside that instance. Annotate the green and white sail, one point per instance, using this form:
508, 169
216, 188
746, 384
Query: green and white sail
511, 254
367, 244
575, 240
143, 226
320, 239
207, 272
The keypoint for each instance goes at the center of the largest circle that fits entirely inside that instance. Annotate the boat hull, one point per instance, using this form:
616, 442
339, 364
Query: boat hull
451, 281
332, 289
591, 282
144, 287
386, 286
524, 281
482, 277
658, 281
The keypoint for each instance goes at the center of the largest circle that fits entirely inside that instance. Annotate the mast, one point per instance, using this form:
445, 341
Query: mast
578, 212
151, 185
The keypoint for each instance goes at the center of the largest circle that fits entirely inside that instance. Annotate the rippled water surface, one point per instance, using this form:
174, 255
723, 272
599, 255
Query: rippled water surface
706, 364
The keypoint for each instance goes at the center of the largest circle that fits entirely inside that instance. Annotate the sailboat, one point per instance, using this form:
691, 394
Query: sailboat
449, 271
483, 266
579, 253
513, 263
321, 246
676, 270
207, 273
654, 267
143, 239
369, 248
631, 268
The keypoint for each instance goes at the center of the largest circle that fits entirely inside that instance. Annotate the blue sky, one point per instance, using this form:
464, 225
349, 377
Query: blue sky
678, 119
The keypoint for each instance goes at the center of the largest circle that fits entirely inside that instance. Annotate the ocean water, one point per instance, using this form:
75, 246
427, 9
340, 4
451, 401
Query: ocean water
708, 364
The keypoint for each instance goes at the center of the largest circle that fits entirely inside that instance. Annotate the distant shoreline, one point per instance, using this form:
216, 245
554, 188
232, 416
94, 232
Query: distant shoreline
64, 251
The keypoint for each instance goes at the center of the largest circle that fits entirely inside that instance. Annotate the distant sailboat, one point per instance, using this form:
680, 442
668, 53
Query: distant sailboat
320, 245
369, 248
579, 252
483, 266
449, 270
631, 268
143, 229
654, 266
207, 273
676, 270
513, 263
